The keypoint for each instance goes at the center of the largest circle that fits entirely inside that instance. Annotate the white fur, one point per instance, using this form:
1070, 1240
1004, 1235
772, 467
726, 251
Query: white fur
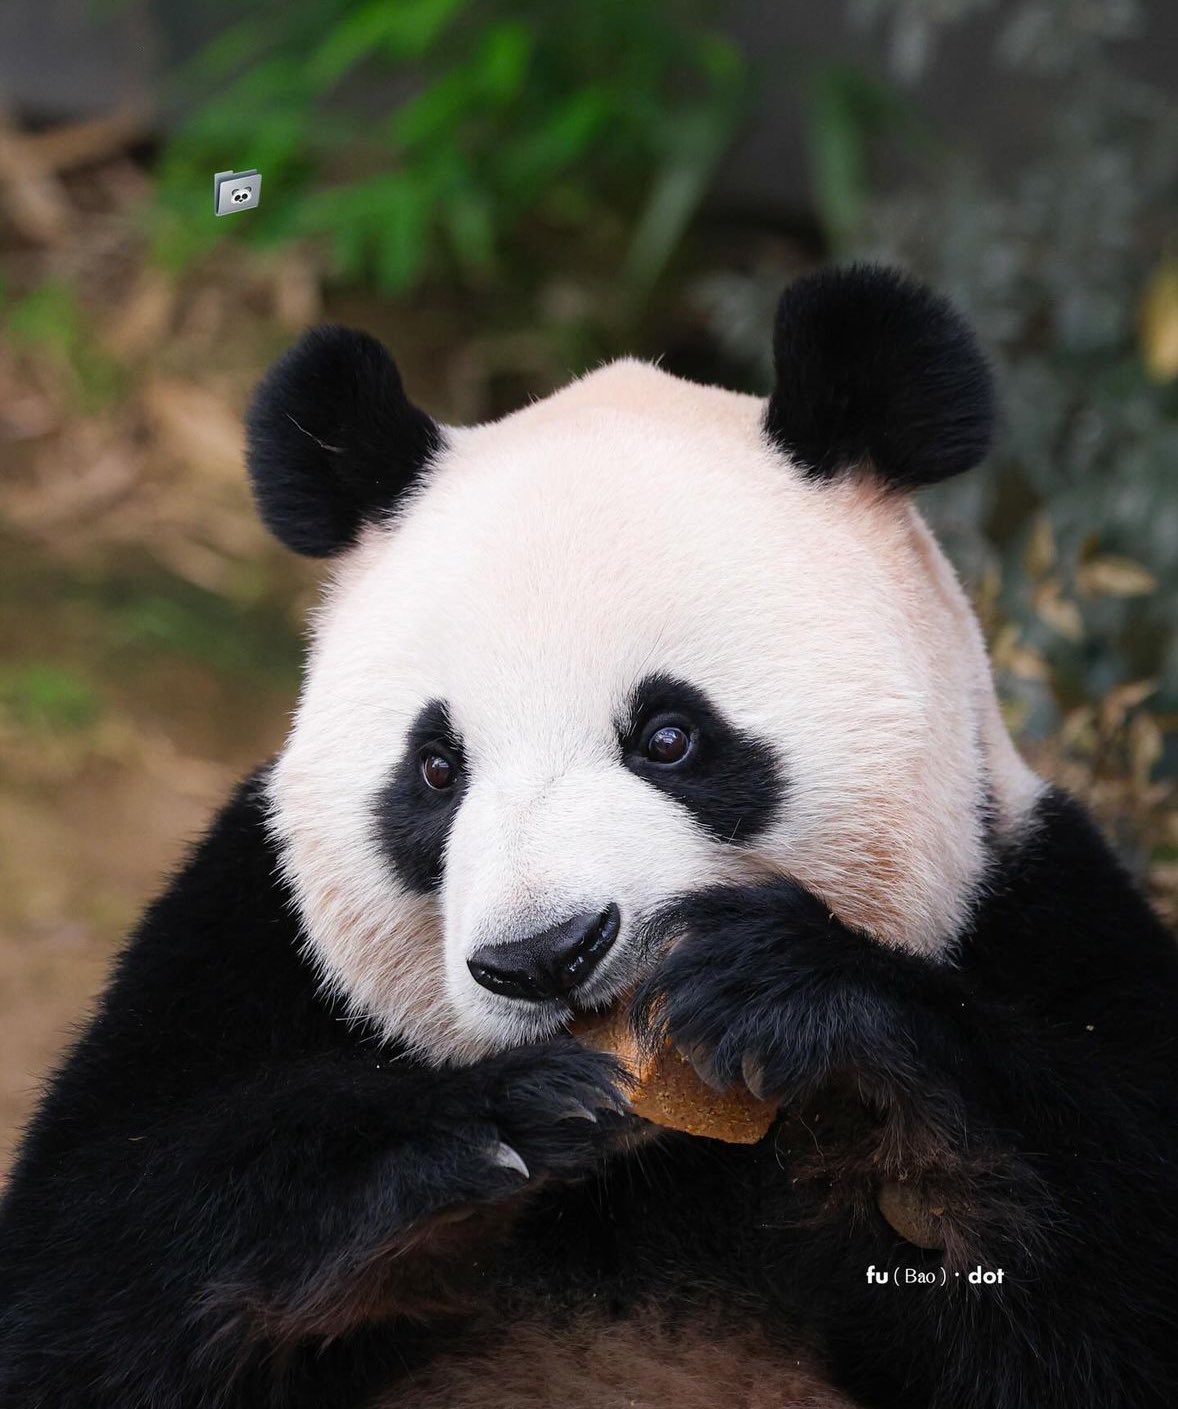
630, 524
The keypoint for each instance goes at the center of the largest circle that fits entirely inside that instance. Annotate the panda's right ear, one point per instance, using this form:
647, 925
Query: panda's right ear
332, 442
877, 374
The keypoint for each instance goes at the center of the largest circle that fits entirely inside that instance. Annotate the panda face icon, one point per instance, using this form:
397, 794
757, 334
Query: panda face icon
236, 190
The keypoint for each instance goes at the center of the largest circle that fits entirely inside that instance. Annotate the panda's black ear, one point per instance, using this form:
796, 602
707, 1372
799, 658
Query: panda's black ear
877, 373
332, 441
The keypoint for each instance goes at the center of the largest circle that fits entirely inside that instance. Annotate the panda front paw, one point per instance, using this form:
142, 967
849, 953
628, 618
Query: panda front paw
513, 1121
763, 986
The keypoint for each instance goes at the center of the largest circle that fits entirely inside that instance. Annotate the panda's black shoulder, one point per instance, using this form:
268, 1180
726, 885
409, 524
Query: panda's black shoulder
222, 943
212, 983
1063, 928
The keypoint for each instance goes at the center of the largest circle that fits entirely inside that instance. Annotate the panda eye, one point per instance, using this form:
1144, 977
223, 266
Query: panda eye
438, 769
668, 742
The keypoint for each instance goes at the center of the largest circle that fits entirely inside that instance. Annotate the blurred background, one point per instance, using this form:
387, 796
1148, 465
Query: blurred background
507, 194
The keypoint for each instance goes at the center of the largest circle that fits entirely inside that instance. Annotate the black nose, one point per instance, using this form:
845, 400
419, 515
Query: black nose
549, 964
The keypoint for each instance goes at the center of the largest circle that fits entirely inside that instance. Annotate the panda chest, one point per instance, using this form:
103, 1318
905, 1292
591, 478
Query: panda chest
595, 1362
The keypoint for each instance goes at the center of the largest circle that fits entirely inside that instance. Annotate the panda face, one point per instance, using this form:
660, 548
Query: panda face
613, 649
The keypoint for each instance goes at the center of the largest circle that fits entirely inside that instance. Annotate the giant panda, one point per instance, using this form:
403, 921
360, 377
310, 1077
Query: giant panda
657, 691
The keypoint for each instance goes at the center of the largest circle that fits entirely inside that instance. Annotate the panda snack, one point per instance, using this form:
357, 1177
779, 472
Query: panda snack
667, 1090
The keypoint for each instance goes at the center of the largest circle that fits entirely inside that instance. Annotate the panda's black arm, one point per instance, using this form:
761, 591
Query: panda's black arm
1025, 1096
223, 1168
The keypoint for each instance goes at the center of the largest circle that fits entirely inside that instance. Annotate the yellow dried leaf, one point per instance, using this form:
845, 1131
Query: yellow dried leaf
1004, 643
1129, 696
1078, 729
1040, 553
1146, 746
1060, 613
1025, 663
1110, 575
1165, 873
1120, 702
1159, 324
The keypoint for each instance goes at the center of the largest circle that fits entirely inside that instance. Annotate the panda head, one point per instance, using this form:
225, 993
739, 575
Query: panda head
636, 639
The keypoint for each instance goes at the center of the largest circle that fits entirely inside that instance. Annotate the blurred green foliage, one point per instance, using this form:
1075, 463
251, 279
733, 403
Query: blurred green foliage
253, 641
436, 138
47, 697
459, 119
847, 112
1053, 261
49, 321
1071, 529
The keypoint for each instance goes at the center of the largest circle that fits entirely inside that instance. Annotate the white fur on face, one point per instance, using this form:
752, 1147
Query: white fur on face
632, 525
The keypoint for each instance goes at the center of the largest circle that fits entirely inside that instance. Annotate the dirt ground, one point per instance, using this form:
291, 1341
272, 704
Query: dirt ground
149, 632
102, 786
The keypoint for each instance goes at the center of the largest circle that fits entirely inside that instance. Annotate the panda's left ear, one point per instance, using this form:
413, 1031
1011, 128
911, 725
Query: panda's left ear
877, 374
332, 441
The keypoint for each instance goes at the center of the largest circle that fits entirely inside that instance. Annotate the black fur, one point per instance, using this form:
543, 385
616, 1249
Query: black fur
732, 783
230, 1197
412, 820
1028, 1094
875, 372
332, 442
223, 1166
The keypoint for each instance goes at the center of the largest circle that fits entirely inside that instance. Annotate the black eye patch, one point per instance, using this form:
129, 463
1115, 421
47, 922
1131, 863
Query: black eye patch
730, 781
413, 819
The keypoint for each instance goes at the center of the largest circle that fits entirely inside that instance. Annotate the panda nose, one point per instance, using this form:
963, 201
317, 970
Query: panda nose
549, 964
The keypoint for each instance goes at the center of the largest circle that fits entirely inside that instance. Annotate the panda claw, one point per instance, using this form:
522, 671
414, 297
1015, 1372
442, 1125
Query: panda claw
614, 1103
508, 1158
577, 1111
701, 1059
754, 1075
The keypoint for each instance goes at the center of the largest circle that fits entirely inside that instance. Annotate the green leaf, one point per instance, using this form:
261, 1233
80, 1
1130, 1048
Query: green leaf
501, 64
700, 140
48, 697
433, 115
49, 317
401, 31
228, 51
838, 158
720, 59
516, 109
378, 226
406, 212
470, 222
557, 143
846, 111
